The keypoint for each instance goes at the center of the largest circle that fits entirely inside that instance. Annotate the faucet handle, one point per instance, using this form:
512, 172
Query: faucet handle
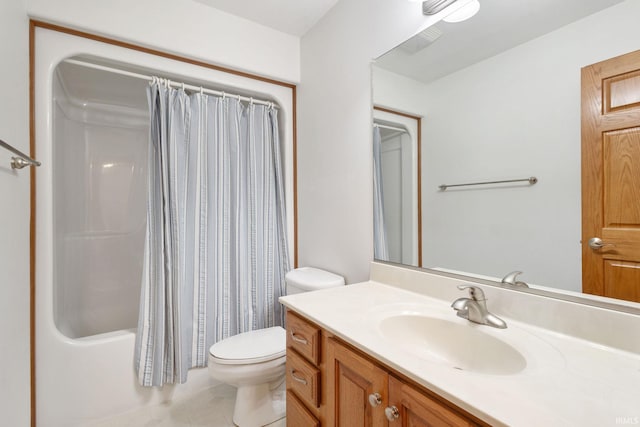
511, 279
476, 293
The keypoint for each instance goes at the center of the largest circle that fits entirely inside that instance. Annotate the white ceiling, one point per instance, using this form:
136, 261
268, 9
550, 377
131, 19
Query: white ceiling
498, 26
294, 17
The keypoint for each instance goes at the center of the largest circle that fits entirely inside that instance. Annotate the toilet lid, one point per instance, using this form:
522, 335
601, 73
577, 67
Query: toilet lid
256, 346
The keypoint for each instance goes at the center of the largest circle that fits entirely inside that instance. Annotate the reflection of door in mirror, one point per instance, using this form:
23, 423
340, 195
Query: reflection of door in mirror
611, 177
396, 163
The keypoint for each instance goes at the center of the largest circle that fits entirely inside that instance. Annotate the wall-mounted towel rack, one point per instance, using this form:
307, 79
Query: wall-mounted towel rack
532, 180
21, 161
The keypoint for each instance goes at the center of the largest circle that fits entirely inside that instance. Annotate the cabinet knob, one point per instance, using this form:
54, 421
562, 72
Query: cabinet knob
392, 413
375, 399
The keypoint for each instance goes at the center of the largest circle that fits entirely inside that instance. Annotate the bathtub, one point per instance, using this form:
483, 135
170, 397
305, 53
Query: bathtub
92, 138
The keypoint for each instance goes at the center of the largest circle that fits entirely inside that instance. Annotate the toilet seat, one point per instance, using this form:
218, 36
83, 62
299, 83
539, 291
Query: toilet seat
261, 345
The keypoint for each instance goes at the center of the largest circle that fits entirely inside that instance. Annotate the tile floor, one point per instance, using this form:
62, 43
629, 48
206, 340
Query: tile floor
212, 408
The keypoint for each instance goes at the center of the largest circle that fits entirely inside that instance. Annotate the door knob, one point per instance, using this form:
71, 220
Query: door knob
597, 243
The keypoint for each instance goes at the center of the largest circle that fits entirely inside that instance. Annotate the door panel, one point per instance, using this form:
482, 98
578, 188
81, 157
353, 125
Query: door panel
611, 177
616, 274
622, 178
622, 92
352, 379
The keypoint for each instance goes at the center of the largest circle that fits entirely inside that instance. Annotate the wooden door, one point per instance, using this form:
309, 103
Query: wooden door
417, 410
351, 380
611, 177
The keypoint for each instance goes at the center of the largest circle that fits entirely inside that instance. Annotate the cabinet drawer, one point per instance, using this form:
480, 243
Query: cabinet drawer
297, 414
304, 338
303, 378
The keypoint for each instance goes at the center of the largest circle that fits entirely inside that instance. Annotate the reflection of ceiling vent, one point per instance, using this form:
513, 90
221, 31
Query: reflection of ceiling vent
431, 7
421, 40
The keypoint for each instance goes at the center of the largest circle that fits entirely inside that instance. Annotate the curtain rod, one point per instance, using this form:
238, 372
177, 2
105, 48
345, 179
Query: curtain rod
172, 83
377, 125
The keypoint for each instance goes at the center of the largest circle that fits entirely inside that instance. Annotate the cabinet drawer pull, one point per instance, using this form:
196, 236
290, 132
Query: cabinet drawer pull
298, 340
392, 413
297, 378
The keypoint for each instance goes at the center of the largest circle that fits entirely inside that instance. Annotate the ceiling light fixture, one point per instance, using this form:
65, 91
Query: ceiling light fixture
431, 7
463, 13
461, 10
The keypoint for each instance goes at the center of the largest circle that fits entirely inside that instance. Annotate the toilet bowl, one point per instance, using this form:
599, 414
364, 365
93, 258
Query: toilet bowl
254, 361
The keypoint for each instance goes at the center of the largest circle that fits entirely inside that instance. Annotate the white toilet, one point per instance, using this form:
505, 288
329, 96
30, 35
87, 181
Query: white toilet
254, 361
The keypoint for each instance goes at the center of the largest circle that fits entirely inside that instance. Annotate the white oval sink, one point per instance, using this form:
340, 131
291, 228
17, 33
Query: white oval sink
462, 346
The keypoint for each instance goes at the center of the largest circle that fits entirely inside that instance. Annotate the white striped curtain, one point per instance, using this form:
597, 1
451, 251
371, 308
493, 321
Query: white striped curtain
380, 247
216, 247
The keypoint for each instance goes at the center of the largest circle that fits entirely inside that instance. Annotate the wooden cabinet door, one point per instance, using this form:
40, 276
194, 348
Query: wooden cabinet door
351, 380
297, 413
611, 177
417, 410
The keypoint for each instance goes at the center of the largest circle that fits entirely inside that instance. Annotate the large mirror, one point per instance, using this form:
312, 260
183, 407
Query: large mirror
499, 98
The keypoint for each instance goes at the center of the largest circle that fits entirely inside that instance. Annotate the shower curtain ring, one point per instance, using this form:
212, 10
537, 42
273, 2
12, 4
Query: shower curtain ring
224, 96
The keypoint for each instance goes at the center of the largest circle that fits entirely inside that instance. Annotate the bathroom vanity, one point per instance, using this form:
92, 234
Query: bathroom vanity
383, 354
336, 384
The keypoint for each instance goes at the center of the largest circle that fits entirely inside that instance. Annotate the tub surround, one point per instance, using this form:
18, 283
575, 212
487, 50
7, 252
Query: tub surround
583, 363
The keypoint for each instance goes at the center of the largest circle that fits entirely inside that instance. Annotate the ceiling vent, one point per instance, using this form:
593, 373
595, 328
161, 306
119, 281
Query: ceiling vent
421, 40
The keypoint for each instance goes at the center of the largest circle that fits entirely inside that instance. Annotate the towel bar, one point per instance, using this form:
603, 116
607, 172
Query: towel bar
21, 161
532, 180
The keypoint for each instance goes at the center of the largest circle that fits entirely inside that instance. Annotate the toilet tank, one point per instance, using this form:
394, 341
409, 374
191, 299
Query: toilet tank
305, 279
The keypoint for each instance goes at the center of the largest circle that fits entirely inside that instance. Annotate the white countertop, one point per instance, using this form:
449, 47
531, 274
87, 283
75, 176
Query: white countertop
567, 381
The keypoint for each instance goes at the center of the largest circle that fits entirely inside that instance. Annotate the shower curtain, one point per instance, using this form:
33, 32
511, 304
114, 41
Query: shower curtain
216, 247
380, 248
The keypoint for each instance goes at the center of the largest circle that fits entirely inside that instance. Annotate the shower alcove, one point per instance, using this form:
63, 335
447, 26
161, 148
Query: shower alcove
100, 140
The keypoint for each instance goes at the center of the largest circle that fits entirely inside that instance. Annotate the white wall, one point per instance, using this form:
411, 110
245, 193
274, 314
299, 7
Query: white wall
14, 217
514, 115
334, 130
185, 27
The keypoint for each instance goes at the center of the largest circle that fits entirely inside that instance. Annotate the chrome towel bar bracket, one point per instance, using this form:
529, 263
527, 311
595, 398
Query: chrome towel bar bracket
22, 160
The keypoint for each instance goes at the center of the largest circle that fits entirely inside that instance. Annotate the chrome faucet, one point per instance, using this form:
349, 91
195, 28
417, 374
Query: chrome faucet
474, 308
511, 279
